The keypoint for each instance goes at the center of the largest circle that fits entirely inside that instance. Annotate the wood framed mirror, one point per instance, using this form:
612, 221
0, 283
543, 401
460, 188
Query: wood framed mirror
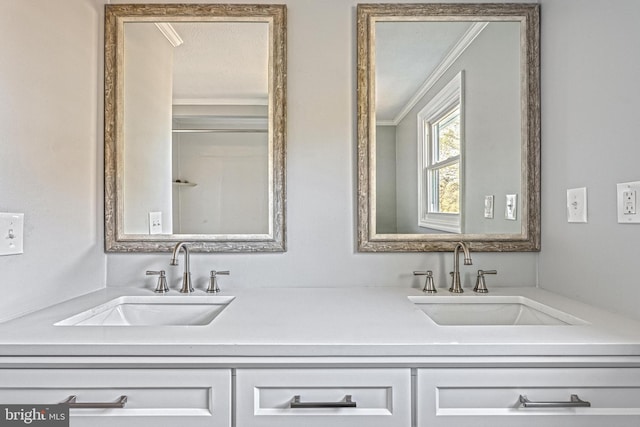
195, 127
448, 127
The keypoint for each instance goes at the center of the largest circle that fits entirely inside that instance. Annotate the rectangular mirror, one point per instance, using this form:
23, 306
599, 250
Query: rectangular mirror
195, 127
448, 127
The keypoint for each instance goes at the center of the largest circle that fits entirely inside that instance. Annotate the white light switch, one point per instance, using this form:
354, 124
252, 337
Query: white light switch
627, 202
155, 222
11, 233
577, 205
511, 208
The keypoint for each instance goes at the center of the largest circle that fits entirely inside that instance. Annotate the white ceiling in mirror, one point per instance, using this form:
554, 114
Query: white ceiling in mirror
237, 53
403, 59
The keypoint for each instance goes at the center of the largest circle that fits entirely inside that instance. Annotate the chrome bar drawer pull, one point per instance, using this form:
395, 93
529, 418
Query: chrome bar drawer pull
346, 403
575, 402
71, 401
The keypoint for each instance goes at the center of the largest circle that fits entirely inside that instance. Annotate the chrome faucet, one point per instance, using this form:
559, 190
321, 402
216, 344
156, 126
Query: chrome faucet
186, 277
456, 287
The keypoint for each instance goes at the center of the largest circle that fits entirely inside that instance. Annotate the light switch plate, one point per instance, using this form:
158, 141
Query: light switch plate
577, 205
627, 202
488, 206
11, 233
511, 207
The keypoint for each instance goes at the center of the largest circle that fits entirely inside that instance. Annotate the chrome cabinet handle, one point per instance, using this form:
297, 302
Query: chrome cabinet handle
347, 403
575, 402
72, 403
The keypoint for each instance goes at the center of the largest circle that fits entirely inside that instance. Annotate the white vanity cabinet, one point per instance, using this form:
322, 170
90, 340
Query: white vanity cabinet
334, 396
154, 397
462, 397
390, 368
323, 397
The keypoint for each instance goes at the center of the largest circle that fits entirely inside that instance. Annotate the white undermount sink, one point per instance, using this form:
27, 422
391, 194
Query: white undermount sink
485, 310
158, 310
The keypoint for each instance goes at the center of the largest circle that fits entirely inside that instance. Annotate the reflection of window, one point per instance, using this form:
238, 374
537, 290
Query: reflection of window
440, 155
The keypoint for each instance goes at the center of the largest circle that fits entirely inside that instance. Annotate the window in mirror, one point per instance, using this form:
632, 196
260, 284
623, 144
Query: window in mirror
440, 148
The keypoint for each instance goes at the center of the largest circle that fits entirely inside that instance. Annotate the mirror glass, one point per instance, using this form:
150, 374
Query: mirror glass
194, 140
448, 115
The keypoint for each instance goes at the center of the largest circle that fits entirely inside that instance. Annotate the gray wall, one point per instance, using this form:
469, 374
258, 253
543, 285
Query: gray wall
590, 110
51, 150
491, 67
50, 128
386, 221
493, 127
232, 177
148, 82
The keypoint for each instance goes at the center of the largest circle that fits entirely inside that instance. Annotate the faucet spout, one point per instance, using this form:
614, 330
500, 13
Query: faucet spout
456, 286
186, 276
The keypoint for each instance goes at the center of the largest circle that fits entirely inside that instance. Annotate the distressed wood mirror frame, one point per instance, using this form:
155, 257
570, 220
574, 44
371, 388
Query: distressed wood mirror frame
116, 240
528, 16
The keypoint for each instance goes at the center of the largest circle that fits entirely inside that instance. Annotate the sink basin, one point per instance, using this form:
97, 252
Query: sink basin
491, 310
183, 310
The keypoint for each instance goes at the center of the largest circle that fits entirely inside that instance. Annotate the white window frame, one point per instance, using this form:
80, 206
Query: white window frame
451, 96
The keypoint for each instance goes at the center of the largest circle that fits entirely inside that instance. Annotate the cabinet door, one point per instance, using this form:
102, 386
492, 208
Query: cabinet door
491, 397
325, 397
154, 397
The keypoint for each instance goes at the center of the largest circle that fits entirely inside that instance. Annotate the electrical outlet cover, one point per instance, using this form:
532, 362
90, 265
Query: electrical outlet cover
577, 205
627, 202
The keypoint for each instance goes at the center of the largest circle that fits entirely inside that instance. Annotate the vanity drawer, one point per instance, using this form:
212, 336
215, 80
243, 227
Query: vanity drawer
155, 397
491, 397
382, 397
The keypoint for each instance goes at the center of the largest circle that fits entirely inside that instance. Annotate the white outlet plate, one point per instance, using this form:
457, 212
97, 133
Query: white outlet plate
155, 222
11, 233
627, 202
488, 206
511, 207
577, 205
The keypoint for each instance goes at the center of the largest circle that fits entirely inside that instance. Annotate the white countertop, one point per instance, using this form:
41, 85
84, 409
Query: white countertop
306, 322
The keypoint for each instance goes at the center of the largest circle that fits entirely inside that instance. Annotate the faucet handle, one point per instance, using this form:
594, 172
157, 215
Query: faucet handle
481, 286
161, 287
429, 286
213, 280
